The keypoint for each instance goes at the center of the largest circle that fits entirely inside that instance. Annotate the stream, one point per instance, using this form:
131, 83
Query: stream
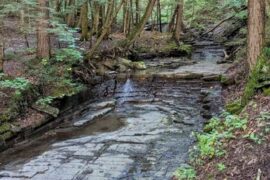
140, 129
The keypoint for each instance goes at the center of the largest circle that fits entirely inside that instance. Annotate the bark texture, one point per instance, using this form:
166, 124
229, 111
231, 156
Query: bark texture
84, 21
179, 20
1, 52
43, 39
256, 30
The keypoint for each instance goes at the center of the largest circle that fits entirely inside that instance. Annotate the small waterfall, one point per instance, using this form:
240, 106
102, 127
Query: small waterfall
128, 88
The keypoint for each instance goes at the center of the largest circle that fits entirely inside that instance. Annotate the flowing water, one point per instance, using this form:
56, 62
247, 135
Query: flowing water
140, 130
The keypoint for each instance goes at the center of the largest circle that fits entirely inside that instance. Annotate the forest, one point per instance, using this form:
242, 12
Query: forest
134, 89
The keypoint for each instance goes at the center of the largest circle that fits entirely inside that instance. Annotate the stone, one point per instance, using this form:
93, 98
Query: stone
122, 68
227, 80
139, 65
46, 109
91, 116
214, 77
104, 104
125, 62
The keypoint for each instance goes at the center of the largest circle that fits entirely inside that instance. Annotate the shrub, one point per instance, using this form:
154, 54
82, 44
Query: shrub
185, 173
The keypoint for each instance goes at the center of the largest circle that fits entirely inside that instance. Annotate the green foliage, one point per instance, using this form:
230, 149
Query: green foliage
221, 167
254, 137
46, 100
264, 116
210, 142
18, 84
68, 55
234, 107
185, 173
212, 125
233, 122
207, 144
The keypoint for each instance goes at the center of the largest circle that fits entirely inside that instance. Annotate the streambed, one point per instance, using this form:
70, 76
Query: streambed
140, 130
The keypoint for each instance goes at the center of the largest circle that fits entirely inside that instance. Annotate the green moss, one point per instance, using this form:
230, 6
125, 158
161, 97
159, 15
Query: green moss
266, 91
4, 117
234, 107
226, 80
4, 128
139, 65
258, 74
6, 136
172, 46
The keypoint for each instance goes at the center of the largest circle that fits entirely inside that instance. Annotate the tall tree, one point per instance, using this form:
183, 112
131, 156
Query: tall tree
138, 29
84, 21
138, 8
71, 14
1, 50
110, 15
179, 20
43, 39
256, 30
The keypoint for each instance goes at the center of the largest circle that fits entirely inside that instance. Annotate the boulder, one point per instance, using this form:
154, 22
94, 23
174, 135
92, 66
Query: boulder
125, 62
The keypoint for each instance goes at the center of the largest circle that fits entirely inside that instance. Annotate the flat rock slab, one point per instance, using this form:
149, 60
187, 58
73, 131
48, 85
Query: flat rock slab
92, 116
153, 143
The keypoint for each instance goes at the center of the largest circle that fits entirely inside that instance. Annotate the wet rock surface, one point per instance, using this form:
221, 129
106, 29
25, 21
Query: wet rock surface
159, 118
140, 130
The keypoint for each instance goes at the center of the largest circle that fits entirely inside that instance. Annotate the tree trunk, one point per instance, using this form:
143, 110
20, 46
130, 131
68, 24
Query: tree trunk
137, 31
84, 21
172, 22
256, 30
137, 11
179, 21
96, 14
71, 14
126, 18
110, 15
159, 20
43, 39
58, 5
1, 52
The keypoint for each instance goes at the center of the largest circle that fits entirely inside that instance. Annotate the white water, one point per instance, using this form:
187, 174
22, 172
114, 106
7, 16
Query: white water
128, 88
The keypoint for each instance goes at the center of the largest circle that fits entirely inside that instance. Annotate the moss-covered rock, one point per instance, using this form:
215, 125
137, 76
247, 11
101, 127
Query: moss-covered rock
139, 65
266, 91
5, 136
46, 109
4, 128
183, 48
227, 80
234, 107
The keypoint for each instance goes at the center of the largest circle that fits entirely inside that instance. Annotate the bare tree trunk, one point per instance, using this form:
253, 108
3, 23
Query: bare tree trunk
256, 30
172, 22
71, 14
159, 20
58, 5
43, 39
84, 21
110, 15
137, 31
179, 21
1, 51
138, 17
126, 18
95, 24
